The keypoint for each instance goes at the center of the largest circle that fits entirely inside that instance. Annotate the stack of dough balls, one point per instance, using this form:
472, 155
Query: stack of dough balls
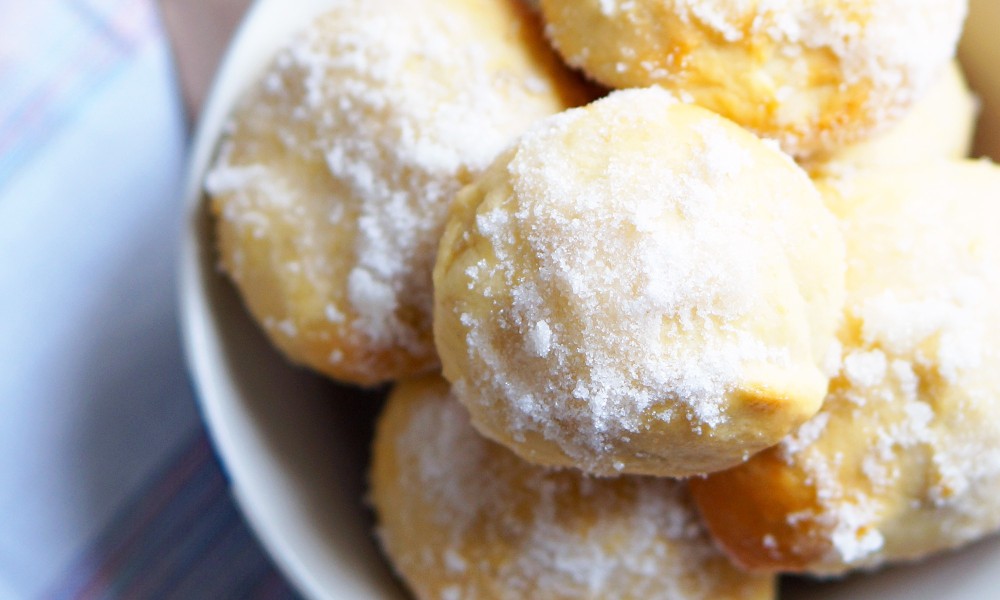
333, 182
764, 266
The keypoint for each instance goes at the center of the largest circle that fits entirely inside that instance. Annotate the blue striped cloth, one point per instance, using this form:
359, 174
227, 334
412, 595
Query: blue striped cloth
109, 487
180, 536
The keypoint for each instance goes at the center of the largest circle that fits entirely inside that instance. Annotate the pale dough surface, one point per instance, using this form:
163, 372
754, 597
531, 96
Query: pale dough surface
333, 180
639, 286
462, 517
940, 125
904, 458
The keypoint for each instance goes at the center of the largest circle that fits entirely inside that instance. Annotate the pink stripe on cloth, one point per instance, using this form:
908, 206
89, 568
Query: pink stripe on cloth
98, 562
153, 504
182, 537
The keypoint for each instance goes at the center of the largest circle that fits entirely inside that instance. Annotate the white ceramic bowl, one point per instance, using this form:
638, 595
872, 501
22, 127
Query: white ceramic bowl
296, 447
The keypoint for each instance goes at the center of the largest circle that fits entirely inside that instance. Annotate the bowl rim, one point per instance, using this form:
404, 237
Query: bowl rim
264, 26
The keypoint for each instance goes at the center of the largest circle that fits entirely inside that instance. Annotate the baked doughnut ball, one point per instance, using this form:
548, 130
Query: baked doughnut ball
332, 184
462, 517
904, 458
941, 125
639, 286
813, 74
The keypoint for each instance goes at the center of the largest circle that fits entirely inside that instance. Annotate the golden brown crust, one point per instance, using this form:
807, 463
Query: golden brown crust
747, 509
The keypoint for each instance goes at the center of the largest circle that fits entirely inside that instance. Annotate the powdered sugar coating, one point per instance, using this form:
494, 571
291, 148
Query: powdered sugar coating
340, 165
813, 74
462, 517
904, 458
624, 289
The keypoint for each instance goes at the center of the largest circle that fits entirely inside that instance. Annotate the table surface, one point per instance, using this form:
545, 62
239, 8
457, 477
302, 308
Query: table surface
108, 484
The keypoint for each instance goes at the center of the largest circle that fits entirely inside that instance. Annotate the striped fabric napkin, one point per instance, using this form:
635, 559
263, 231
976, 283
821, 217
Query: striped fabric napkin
108, 485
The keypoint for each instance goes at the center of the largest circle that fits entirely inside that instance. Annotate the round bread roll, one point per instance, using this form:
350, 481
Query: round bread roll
461, 517
941, 125
813, 74
904, 458
332, 183
639, 286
